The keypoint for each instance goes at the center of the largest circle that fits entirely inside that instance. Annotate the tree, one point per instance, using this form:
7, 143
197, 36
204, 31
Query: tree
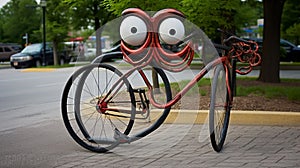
229, 15
290, 21
210, 15
271, 43
57, 25
117, 6
293, 33
19, 17
86, 13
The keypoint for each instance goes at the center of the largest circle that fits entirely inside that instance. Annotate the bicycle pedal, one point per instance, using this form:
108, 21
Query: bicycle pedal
120, 137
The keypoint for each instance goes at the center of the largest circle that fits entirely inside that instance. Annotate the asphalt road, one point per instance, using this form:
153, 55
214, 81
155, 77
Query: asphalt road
31, 130
28, 98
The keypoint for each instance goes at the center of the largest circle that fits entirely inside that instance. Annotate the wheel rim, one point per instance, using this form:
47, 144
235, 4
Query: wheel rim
219, 109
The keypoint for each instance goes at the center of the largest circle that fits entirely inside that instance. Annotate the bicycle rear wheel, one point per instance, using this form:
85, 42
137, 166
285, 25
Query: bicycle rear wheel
93, 107
220, 107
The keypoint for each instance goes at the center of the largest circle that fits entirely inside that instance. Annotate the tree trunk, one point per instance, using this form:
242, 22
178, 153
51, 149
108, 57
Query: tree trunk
55, 53
97, 29
271, 41
98, 43
155, 81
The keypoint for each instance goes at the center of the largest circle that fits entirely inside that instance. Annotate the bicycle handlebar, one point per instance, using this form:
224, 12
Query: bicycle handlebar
243, 50
232, 37
235, 39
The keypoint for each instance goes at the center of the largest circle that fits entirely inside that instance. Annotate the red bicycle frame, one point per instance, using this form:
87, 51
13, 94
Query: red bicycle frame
178, 96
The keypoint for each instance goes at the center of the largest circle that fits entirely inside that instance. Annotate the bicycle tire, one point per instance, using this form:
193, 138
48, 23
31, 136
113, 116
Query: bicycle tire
90, 127
220, 107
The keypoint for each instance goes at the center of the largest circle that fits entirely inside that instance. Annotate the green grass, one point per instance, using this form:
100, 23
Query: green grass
269, 91
200, 64
246, 78
291, 93
290, 63
194, 90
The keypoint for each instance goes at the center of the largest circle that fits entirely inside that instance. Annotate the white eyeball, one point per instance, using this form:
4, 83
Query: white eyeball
171, 30
133, 30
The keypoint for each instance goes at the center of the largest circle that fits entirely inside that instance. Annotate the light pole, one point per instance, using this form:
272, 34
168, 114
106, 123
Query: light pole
43, 4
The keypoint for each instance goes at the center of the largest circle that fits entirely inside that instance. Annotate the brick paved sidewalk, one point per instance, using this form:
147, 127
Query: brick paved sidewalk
245, 146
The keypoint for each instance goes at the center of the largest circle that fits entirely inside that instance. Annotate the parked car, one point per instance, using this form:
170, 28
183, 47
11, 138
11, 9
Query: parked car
32, 56
291, 52
7, 50
111, 54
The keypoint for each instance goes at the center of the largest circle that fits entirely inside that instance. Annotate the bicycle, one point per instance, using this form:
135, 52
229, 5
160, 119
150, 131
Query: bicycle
100, 116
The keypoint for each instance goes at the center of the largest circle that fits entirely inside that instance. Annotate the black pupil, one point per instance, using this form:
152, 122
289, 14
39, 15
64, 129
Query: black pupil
172, 32
133, 30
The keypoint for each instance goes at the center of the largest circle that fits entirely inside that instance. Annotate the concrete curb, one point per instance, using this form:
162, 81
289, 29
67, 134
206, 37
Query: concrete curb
270, 118
39, 70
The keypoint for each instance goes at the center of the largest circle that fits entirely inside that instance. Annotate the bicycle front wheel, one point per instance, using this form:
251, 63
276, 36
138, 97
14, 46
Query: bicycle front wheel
219, 108
96, 101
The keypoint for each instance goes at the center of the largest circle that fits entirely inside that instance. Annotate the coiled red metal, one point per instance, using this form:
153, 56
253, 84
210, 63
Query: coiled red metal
245, 53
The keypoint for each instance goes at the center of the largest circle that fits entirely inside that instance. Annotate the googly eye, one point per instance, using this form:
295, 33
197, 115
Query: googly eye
133, 30
171, 30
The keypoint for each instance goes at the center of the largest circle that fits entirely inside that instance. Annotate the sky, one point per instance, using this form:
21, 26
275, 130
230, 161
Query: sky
3, 2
